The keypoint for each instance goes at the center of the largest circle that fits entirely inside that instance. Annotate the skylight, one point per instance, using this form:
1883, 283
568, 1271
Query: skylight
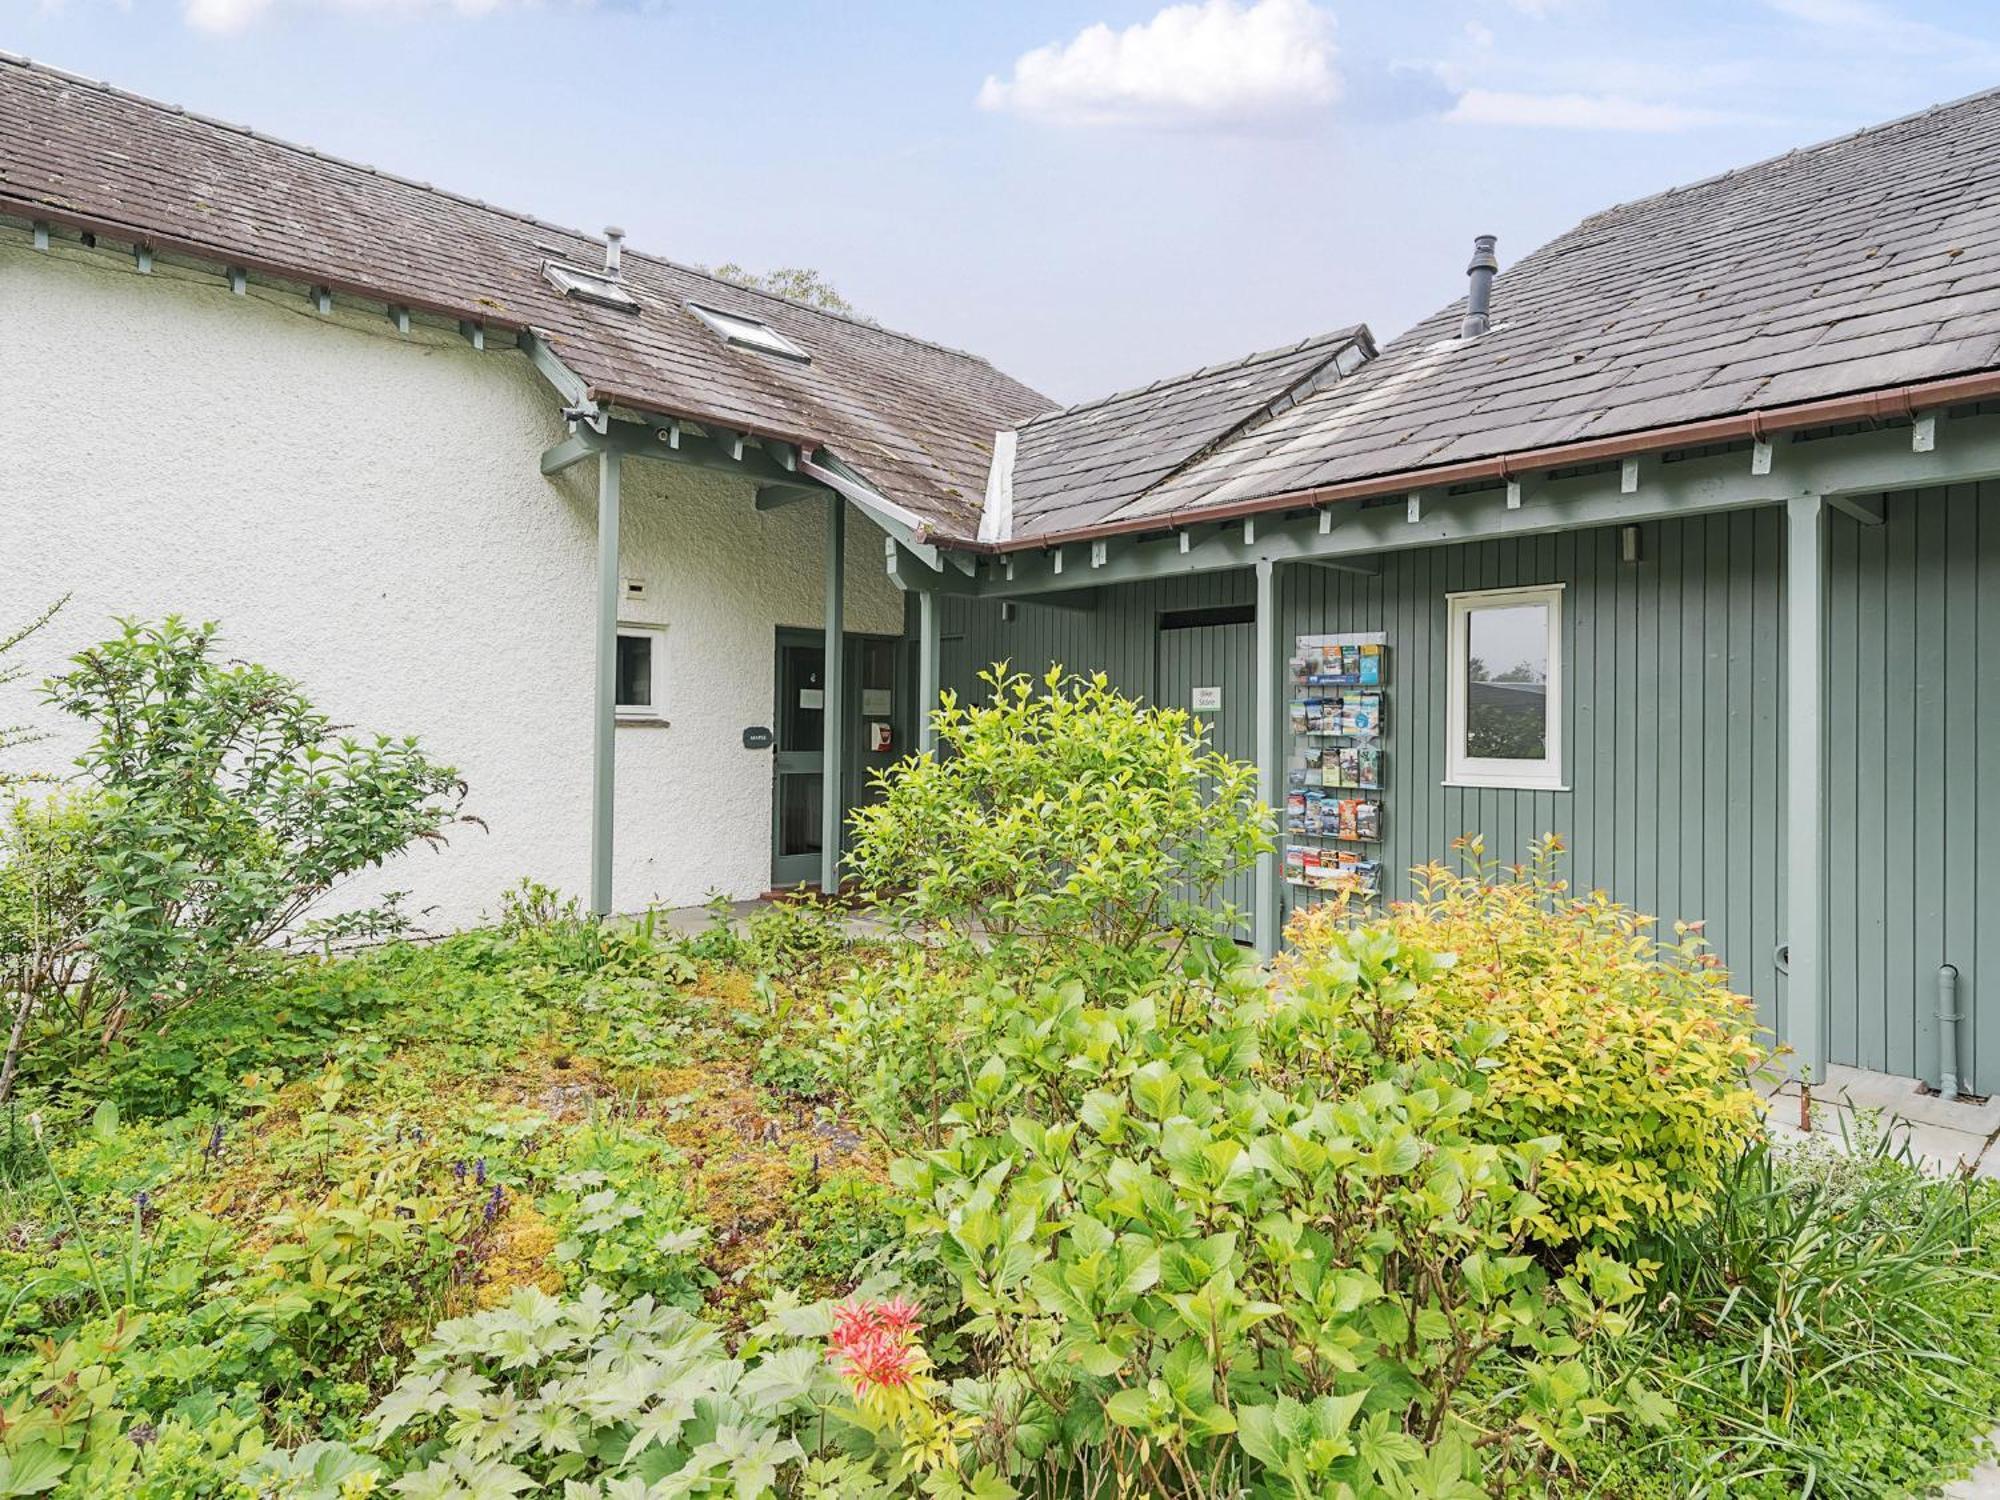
748, 333
601, 287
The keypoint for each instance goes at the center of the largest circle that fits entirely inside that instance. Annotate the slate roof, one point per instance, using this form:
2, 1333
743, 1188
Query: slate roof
1086, 462
1864, 263
915, 418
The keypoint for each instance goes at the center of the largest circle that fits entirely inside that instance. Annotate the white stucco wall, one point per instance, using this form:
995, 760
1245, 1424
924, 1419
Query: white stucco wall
364, 512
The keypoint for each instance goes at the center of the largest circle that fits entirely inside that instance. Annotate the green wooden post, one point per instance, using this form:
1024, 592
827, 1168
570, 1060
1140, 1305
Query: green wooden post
1804, 1013
927, 669
1270, 775
833, 712
604, 730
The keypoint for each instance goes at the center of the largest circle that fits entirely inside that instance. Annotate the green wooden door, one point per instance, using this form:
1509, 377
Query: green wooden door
1210, 669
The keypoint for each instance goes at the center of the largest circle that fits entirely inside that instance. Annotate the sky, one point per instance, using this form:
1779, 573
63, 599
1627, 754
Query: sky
1093, 194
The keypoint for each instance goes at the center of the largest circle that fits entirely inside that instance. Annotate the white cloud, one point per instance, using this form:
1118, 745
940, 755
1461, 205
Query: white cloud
1579, 112
1215, 62
235, 15
224, 15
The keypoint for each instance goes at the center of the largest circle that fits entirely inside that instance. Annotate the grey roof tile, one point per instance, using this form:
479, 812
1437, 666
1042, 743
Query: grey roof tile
915, 417
1863, 263
1083, 461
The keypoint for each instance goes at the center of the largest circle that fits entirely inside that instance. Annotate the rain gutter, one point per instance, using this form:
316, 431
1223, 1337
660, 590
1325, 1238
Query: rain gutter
1904, 401
33, 211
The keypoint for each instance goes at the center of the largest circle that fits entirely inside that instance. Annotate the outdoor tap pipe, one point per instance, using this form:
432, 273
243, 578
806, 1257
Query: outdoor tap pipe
1947, 1019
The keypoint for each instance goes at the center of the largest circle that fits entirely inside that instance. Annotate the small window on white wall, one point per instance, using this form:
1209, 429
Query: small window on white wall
641, 660
1504, 708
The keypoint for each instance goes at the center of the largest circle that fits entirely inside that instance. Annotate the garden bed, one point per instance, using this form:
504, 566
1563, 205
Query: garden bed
1052, 1195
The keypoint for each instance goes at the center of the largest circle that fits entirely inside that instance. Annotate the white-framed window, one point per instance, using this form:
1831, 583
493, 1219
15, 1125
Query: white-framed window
642, 658
1504, 705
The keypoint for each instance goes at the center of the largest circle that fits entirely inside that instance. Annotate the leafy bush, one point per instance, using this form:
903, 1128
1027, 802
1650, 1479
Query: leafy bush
719, 941
539, 922
226, 807
833, 1225
1066, 819
797, 942
44, 962
1190, 1264
905, 1044
291, 1024
345, 1277
1632, 1053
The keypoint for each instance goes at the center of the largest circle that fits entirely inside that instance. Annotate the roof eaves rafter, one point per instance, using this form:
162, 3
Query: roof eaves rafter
540, 346
1902, 402
488, 317
1850, 460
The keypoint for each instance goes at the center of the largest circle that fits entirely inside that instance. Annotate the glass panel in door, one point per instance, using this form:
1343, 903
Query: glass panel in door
797, 792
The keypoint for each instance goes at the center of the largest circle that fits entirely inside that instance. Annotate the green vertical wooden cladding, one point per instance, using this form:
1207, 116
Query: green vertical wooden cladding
1674, 723
1913, 780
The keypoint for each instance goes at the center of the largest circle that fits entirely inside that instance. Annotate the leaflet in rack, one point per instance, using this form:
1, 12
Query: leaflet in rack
1338, 725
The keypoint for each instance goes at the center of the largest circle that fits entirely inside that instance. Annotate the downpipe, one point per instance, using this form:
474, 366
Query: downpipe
1947, 1019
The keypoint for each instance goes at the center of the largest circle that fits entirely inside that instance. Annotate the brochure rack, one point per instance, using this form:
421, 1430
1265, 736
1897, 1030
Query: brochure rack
1337, 768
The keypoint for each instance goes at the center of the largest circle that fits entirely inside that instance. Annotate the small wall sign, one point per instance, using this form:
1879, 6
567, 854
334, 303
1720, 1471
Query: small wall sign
878, 737
757, 737
1208, 700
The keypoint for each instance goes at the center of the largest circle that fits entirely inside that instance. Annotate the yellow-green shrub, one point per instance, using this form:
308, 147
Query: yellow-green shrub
1635, 1052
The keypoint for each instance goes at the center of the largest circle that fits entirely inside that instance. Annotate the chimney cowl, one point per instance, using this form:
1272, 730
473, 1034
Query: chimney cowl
614, 250
1479, 299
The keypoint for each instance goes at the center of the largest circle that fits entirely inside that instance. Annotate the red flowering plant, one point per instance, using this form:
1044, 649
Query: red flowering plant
877, 1347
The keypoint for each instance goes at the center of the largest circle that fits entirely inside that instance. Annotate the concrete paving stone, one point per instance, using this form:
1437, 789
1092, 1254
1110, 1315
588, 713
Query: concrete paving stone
1983, 1483
1902, 1097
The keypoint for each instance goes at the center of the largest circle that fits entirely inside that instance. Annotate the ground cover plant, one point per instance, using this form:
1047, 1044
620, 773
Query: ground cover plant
568, 1208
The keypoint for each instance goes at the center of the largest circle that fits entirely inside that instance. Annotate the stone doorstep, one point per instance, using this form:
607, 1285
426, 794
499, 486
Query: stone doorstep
1939, 1148
1900, 1098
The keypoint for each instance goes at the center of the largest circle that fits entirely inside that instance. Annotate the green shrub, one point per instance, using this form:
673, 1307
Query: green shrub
347, 1279
1063, 819
45, 872
904, 1044
1632, 1053
797, 942
226, 807
1191, 1264
719, 941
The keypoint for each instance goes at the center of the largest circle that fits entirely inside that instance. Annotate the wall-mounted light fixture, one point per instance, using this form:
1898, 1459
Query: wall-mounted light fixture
1628, 544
